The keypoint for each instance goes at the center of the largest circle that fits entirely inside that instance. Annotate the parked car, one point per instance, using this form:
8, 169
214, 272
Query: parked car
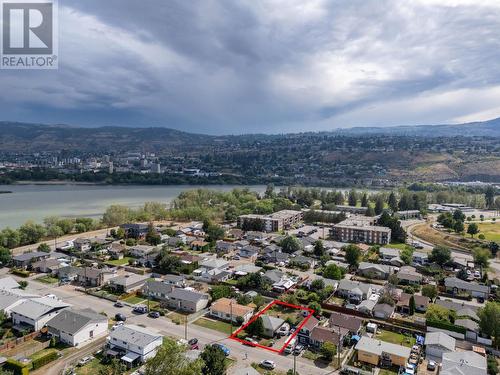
298, 349
154, 314
480, 299
118, 304
250, 341
120, 317
193, 344
116, 325
140, 309
222, 347
268, 364
85, 360
431, 365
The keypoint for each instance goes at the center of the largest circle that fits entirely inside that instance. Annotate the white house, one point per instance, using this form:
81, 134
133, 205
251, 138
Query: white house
438, 343
467, 362
75, 327
35, 313
137, 344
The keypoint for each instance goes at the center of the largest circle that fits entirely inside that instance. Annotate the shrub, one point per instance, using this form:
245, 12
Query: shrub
17, 367
44, 359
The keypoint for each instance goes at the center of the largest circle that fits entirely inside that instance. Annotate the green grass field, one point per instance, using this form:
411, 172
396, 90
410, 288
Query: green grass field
118, 262
216, 325
491, 230
134, 300
47, 279
395, 338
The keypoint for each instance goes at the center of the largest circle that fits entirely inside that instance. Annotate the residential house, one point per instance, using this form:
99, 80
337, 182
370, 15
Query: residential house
26, 259
455, 286
140, 251
199, 245
403, 304
354, 291
186, 300
304, 334
462, 309
375, 271
352, 323
466, 362
135, 230
229, 309
245, 269
82, 244
46, 266
175, 280
133, 343
68, 273
213, 263
409, 275
75, 327
383, 311
224, 247
158, 290
388, 253
117, 250
273, 276
271, 325
419, 258
9, 300
320, 335
34, 313
176, 240
249, 252
471, 328
438, 343
366, 306
94, 277
302, 261
127, 283
374, 351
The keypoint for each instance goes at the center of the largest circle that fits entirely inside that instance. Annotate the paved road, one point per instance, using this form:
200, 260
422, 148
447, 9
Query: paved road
167, 328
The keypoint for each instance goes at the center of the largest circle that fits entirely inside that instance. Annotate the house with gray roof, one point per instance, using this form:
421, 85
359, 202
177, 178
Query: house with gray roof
26, 259
383, 311
176, 280
186, 300
133, 344
34, 313
409, 275
463, 363
374, 351
127, 283
75, 327
157, 290
456, 286
9, 300
354, 291
271, 324
438, 343
375, 271
388, 253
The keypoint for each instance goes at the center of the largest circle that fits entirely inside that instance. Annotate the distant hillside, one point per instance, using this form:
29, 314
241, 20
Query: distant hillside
489, 128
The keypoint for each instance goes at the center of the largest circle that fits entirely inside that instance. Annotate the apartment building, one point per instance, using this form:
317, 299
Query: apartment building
370, 234
281, 220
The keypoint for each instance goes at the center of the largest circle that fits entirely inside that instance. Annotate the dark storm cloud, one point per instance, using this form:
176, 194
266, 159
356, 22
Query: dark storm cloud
265, 66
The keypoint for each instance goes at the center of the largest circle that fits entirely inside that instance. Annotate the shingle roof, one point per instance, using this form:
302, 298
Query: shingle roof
134, 334
463, 363
271, 322
468, 324
352, 323
28, 256
453, 282
227, 306
37, 307
440, 338
377, 347
323, 334
187, 295
72, 321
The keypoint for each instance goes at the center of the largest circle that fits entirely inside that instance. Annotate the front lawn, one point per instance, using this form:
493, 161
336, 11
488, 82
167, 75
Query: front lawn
395, 338
216, 325
42, 353
118, 262
134, 300
47, 279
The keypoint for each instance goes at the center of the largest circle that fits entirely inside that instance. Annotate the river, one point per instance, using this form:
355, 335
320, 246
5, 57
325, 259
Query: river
35, 202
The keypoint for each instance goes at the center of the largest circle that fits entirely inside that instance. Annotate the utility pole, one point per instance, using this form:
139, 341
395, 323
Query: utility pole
185, 327
294, 364
338, 349
231, 315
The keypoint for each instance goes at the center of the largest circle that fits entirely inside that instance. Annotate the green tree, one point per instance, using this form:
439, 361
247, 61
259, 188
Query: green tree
317, 284
214, 361
315, 306
489, 196
406, 255
458, 226
379, 204
412, 305
169, 263
5, 256
115, 367
269, 193
430, 291
458, 215
172, 360
334, 272
364, 200
489, 321
116, 215
23, 284
352, 198
393, 202
152, 236
319, 248
31, 233
44, 247
10, 238
441, 255
352, 255
482, 257
472, 229
328, 350
220, 291
256, 328
215, 232
438, 313
370, 211
290, 245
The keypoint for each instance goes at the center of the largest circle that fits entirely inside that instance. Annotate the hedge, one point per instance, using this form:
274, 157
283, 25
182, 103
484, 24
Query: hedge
445, 325
18, 368
21, 273
43, 360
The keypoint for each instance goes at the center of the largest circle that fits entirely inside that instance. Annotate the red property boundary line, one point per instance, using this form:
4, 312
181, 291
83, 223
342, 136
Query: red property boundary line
234, 336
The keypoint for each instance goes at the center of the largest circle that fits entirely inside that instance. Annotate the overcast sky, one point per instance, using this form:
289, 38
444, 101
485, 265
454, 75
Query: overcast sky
229, 67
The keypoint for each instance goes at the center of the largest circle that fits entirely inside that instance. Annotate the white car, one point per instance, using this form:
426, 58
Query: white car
85, 360
268, 364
